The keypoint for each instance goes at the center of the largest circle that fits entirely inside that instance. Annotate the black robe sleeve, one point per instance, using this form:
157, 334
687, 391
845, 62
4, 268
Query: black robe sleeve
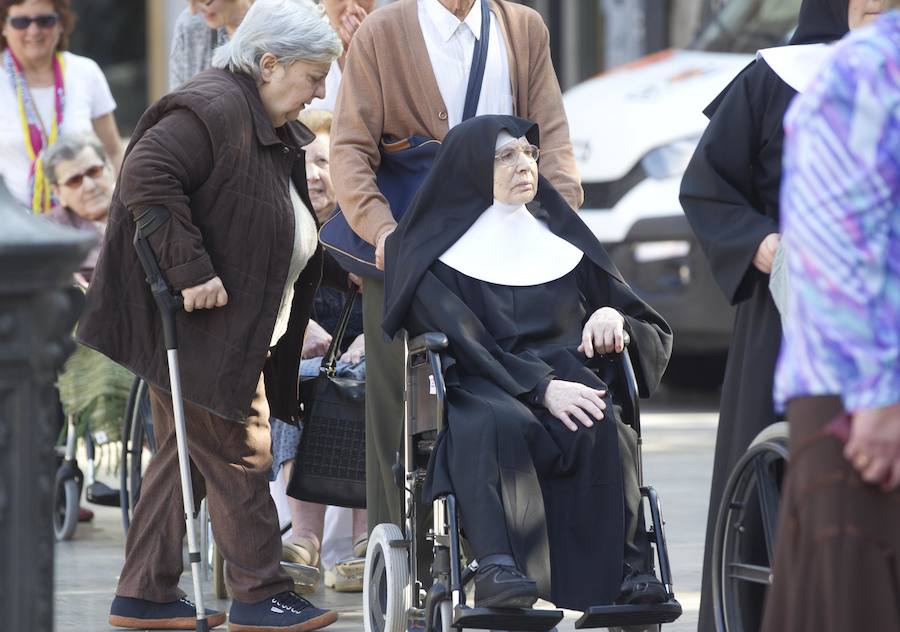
718, 192
651, 336
437, 307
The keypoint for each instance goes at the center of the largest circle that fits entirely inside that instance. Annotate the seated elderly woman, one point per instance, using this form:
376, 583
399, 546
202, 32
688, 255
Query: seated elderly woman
92, 387
82, 180
542, 467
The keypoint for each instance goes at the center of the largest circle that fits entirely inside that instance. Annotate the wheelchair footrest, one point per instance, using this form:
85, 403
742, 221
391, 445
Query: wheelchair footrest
526, 620
624, 616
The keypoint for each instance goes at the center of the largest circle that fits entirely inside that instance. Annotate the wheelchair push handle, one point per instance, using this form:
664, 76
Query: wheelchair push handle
166, 300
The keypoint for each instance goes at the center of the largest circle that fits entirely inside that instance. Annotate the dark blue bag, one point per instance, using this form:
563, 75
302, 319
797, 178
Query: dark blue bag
404, 165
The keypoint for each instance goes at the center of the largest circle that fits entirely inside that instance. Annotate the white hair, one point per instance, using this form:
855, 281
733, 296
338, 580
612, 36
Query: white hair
67, 148
291, 30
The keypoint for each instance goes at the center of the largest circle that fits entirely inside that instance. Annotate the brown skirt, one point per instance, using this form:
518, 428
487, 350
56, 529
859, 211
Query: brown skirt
837, 561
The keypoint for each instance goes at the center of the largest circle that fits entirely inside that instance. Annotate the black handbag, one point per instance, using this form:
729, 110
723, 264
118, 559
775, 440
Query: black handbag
330, 466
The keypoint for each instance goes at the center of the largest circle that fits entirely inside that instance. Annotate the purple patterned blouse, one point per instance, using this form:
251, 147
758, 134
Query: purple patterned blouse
840, 211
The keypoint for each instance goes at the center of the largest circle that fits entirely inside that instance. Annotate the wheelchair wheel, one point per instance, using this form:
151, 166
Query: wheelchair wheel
65, 508
137, 435
218, 573
443, 617
385, 582
744, 544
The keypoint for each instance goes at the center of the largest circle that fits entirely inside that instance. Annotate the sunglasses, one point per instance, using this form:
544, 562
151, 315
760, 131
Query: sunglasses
22, 22
75, 181
509, 156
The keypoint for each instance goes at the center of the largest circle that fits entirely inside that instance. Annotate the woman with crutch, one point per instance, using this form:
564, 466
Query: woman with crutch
215, 177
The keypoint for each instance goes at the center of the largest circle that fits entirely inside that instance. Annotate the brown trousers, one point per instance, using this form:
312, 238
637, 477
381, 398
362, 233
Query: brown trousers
837, 559
229, 465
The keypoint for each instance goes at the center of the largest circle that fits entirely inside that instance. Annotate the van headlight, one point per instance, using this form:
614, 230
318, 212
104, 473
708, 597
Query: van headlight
669, 160
648, 251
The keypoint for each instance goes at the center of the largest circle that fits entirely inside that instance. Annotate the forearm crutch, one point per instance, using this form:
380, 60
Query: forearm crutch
169, 304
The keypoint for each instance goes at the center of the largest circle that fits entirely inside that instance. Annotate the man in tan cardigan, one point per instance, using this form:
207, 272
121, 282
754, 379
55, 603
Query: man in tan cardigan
406, 75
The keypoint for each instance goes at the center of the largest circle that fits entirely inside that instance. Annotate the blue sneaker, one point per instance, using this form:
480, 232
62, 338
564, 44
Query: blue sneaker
284, 612
140, 614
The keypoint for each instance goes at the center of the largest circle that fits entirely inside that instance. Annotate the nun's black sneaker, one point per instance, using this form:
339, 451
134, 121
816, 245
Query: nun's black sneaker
140, 614
284, 612
501, 586
641, 589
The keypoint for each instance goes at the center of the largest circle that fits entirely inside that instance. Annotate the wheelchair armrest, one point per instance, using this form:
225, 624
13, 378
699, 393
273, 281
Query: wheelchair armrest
430, 341
629, 397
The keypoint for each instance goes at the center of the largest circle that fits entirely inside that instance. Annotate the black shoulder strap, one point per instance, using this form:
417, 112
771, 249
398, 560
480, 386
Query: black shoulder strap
329, 362
479, 61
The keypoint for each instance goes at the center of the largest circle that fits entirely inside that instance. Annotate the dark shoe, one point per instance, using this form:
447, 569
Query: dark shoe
499, 586
85, 514
284, 612
140, 614
641, 588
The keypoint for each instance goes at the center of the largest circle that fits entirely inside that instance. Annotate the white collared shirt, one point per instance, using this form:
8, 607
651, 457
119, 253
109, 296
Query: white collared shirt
450, 43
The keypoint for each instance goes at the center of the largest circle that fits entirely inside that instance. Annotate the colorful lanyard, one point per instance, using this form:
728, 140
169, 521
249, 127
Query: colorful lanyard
36, 137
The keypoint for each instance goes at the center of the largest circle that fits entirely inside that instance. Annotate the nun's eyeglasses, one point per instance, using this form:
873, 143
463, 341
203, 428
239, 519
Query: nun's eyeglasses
509, 156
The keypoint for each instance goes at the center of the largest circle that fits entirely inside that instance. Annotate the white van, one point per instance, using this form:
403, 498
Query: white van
634, 130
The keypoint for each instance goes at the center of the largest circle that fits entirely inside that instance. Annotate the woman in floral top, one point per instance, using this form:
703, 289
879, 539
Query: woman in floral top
838, 557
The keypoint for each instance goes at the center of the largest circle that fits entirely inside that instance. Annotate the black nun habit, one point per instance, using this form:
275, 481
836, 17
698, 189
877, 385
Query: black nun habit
526, 485
730, 197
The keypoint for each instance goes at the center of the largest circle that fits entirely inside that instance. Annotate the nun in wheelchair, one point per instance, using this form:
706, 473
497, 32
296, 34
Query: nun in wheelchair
543, 469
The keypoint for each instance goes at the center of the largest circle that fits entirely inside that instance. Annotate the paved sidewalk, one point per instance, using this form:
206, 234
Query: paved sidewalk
679, 437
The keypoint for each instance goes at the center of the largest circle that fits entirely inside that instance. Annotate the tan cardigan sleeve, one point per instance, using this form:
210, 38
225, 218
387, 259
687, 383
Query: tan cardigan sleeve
545, 108
355, 136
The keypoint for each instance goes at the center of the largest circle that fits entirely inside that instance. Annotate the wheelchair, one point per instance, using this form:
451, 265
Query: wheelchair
138, 443
394, 597
70, 480
746, 530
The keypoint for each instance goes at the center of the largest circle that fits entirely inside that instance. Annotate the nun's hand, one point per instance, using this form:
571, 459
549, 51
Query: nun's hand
765, 254
568, 400
379, 248
604, 332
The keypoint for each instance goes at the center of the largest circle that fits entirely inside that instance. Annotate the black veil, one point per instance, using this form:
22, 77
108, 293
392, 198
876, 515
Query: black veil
821, 21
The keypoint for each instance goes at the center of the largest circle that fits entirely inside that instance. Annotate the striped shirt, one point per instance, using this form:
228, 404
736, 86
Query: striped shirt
840, 211
193, 45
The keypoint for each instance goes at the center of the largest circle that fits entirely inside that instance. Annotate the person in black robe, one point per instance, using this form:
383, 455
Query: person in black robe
543, 469
730, 197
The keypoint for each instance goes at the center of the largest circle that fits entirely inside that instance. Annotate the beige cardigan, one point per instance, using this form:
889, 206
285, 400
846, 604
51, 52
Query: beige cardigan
389, 89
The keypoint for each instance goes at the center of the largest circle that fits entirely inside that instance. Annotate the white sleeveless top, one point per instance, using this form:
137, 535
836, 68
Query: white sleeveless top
306, 239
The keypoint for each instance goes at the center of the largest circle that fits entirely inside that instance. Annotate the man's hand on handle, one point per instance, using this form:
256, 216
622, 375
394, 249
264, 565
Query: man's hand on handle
379, 248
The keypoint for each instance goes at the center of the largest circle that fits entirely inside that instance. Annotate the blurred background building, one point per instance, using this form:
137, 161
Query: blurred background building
586, 36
